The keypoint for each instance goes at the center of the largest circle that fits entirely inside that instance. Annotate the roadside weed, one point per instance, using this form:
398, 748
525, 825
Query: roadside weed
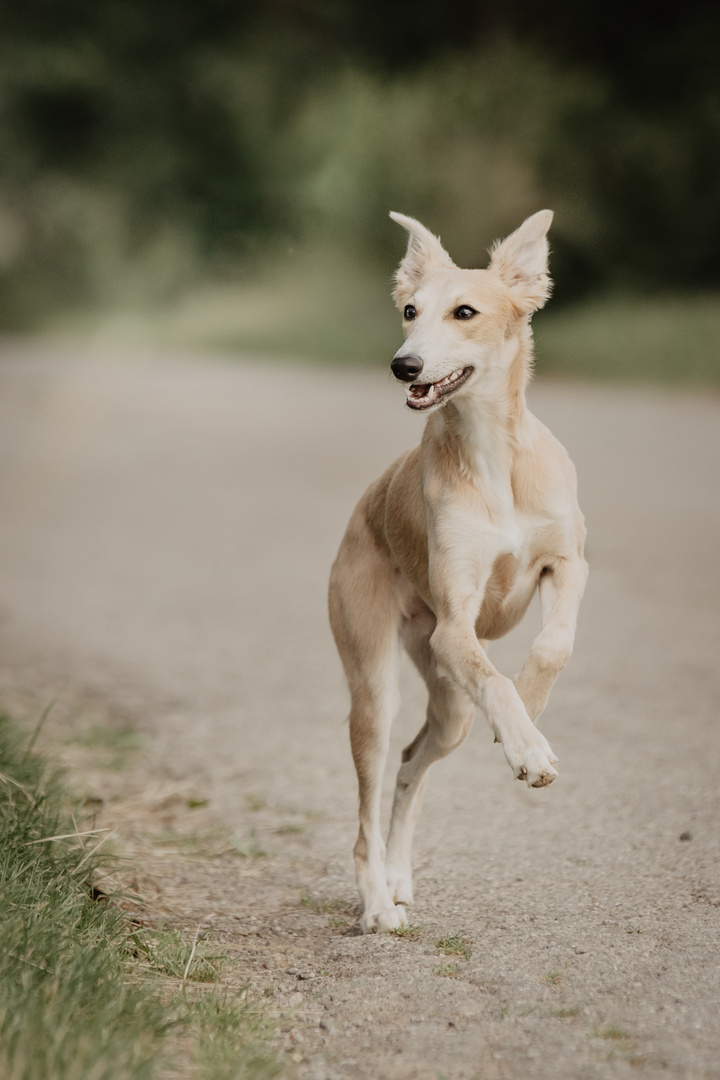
229, 1038
248, 849
456, 945
84, 995
609, 1031
60, 951
168, 952
562, 1014
410, 931
448, 971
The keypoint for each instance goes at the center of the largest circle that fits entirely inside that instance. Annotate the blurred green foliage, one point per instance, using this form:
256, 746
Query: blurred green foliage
152, 147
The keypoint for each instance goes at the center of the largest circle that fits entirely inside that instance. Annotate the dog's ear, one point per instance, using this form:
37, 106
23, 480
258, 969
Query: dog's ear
521, 260
424, 252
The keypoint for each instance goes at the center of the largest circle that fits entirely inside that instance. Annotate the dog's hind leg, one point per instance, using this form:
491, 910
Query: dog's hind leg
365, 618
449, 717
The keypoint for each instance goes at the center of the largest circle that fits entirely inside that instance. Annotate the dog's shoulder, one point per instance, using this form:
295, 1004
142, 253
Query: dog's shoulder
542, 467
378, 502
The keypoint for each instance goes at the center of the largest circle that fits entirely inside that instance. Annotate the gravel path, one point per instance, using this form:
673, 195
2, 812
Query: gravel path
166, 531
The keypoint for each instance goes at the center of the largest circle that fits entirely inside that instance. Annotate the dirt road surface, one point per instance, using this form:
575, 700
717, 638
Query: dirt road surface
166, 531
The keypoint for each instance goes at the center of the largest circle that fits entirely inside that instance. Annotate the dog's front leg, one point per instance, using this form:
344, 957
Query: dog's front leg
461, 656
561, 588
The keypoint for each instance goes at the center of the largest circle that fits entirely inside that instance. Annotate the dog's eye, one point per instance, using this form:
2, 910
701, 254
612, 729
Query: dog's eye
409, 312
464, 312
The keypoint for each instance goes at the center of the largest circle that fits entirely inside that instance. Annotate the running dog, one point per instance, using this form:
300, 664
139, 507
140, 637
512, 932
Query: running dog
444, 552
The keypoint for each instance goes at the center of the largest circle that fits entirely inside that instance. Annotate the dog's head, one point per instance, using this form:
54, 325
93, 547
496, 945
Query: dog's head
460, 325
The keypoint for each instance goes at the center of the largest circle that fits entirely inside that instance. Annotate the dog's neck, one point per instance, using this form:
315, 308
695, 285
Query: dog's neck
482, 429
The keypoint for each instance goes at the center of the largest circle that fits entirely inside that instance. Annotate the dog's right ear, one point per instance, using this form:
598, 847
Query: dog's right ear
424, 252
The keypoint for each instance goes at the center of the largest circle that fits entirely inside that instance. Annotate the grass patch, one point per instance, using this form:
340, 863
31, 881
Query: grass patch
84, 995
255, 803
250, 848
229, 1037
409, 931
608, 1031
315, 305
673, 339
168, 952
447, 971
66, 1008
553, 977
563, 1014
117, 743
456, 945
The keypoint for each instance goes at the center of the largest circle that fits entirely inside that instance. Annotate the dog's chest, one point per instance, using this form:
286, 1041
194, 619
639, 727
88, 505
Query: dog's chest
484, 530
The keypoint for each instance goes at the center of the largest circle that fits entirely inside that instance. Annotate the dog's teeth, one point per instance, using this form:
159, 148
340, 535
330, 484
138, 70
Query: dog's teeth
426, 393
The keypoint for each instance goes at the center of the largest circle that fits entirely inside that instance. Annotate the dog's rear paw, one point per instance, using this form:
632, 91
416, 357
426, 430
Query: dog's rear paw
374, 922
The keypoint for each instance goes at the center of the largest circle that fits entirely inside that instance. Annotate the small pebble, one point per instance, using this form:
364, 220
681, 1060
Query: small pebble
687, 835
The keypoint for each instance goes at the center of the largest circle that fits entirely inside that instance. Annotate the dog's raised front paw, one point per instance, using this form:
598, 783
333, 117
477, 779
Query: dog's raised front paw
374, 922
539, 775
533, 762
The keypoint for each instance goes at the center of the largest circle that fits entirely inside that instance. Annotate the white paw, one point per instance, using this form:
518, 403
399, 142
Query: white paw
532, 760
400, 886
373, 922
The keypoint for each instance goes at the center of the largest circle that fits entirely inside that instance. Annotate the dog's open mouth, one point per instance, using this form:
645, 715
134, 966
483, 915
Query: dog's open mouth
425, 395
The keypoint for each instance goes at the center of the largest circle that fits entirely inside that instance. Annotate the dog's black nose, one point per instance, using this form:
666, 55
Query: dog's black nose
406, 368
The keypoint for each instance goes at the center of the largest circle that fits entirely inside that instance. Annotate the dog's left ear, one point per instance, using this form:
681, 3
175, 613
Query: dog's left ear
521, 260
424, 252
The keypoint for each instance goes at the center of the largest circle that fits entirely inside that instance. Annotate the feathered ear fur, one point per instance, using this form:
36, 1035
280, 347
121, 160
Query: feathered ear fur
521, 260
424, 252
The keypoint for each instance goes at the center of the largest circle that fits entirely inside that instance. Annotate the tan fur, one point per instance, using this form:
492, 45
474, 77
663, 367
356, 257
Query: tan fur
445, 551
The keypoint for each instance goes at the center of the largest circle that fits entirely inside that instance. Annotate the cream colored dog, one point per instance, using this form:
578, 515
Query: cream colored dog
445, 551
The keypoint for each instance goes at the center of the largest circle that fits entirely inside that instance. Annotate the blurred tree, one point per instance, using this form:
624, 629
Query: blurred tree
148, 143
